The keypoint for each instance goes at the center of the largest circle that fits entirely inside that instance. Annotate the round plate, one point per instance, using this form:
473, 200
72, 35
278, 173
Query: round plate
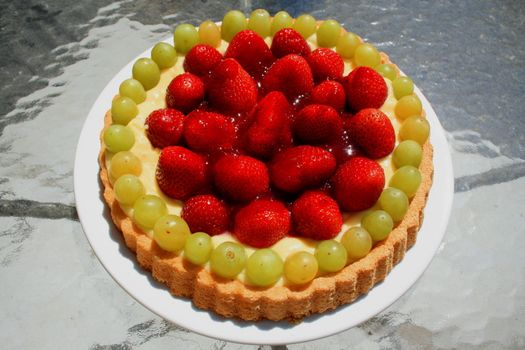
121, 263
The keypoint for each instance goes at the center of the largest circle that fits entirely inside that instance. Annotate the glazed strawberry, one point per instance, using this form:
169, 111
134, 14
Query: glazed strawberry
317, 124
373, 132
316, 215
201, 59
208, 132
262, 223
326, 64
365, 88
270, 129
251, 51
291, 75
164, 127
297, 168
330, 93
240, 178
288, 41
358, 183
206, 213
231, 89
185, 92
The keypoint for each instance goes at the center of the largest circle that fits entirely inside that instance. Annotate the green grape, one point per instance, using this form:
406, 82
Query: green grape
347, 43
128, 188
164, 55
133, 89
300, 267
366, 55
386, 70
232, 23
331, 255
281, 20
415, 128
170, 232
403, 86
306, 25
148, 209
197, 248
378, 223
260, 22
146, 71
407, 179
394, 202
118, 138
228, 259
407, 153
123, 110
264, 267
209, 34
357, 242
408, 106
185, 37
328, 33
123, 163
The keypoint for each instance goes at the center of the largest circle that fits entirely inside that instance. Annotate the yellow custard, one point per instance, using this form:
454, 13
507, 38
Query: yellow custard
149, 157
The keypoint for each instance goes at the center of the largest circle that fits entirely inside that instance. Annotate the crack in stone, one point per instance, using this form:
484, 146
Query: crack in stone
34, 209
490, 177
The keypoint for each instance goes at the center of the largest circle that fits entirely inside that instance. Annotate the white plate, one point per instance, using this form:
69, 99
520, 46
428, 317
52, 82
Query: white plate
108, 245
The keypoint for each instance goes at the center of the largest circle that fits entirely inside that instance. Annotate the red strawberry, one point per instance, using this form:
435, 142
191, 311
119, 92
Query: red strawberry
270, 129
330, 93
206, 213
317, 124
201, 59
185, 92
316, 215
365, 88
262, 223
251, 51
231, 89
288, 41
164, 127
208, 132
297, 168
326, 64
240, 178
291, 75
358, 183
372, 130
180, 172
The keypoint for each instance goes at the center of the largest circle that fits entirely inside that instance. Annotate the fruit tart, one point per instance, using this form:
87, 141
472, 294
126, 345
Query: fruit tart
267, 168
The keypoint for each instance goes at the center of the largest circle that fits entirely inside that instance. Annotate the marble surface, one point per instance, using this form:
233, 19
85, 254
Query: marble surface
467, 57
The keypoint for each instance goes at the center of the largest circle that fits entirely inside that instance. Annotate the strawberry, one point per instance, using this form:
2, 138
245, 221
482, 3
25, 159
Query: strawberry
251, 51
372, 130
316, 215
297, 168
326, 64
262, 223
201, 59
240, 178
365, 88
208, 132
330, 93
290, 75
317, 124
231, 89
181, 173
270, 129
206, 213
185, 92
164, 127
287, 41
358, 183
